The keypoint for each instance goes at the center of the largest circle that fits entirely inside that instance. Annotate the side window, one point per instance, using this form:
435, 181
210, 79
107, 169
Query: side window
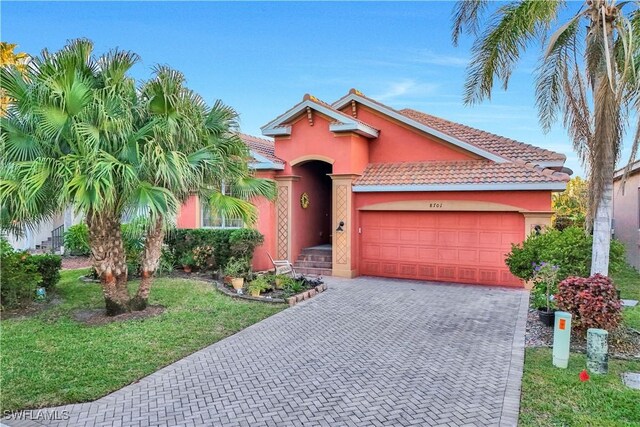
210, 220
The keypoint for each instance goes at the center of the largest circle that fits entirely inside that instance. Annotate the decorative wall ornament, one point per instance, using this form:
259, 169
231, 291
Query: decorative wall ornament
310, 116
304, 201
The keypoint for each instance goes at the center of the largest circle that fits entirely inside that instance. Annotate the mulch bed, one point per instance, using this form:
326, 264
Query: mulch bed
30, 310
624, 343
74, 262
98, 316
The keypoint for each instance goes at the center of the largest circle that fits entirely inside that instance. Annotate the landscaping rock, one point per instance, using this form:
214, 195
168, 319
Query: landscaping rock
631, 379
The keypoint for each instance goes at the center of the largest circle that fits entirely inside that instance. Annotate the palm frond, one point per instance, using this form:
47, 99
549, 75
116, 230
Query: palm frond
496, 52
466, 18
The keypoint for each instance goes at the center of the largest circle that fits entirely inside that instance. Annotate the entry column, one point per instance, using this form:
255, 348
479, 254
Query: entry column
284, 186
343, 225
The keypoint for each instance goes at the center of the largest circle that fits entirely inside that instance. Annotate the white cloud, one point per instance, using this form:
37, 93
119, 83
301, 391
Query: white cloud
406, 88
434, 58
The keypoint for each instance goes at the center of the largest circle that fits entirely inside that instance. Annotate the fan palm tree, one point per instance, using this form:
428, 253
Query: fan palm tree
588, 74
79, 133
191, 149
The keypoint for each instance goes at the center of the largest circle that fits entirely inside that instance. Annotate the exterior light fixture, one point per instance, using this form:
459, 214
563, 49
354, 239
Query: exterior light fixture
340, 226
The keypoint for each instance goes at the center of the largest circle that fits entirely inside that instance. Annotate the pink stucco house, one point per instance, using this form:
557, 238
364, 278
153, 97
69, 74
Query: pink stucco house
394, 193
626, 212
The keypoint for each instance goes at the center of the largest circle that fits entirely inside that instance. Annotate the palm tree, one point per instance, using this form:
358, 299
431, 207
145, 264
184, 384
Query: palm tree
191, 149
587, 73
79, 133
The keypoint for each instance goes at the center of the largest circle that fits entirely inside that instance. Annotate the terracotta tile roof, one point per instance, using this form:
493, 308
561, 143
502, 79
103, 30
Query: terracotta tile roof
456, 172
504, 147
261, 146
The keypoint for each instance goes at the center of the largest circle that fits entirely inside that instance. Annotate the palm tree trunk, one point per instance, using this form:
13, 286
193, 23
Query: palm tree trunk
109, 260
602, 231
149, 263
602, 152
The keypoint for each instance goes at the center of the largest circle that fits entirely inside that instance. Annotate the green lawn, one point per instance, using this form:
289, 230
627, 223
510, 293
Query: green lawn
556, 397
628, 281
51, 359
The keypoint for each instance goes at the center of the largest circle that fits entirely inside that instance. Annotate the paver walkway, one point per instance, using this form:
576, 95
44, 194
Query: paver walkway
367, 352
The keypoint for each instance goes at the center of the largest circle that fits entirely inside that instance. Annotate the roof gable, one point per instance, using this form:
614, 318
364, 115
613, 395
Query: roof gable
485, 144
342, 122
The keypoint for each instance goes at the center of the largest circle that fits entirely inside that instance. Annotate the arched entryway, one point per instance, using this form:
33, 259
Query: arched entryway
311, 210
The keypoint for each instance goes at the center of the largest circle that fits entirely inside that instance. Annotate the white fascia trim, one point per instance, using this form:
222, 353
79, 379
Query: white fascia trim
557, 186
266, 166
276, 131
551, 163
406, 120
273, 128
356, 127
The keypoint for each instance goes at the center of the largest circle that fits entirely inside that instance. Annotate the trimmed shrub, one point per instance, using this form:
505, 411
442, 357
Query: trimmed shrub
76, 240
244, 241
592, 301
226, 243
569, 249
19, 279
49, 268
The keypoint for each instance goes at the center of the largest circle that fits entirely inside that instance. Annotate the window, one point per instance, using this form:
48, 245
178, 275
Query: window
210, 220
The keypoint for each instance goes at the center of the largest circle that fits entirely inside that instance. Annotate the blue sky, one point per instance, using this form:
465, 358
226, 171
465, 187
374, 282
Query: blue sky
261, 58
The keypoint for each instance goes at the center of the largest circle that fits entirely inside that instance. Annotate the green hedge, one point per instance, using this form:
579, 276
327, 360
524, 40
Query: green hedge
227, 243
49, 268
21, 273
569, 249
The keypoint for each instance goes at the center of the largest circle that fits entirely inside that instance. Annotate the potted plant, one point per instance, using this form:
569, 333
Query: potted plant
236, 268
545, 281
258, 285
187, 261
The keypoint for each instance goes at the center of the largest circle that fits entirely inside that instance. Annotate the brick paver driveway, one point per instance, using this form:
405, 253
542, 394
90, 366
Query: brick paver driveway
367, 352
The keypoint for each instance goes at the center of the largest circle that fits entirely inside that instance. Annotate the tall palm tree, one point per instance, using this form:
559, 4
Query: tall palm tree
588, 73
79, 133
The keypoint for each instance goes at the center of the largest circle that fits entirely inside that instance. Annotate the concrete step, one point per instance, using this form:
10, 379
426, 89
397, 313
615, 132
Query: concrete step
314, 271
316, 258
314, 251
313, 264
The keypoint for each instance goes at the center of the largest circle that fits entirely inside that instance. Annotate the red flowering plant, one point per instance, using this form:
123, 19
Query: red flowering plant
592, 301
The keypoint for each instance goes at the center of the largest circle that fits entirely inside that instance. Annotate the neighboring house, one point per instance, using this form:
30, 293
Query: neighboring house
49, 236
626, 212
395, 193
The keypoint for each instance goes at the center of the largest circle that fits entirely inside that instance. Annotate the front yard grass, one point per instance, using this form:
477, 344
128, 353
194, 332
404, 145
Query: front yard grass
628, 281
51, 359
556, 397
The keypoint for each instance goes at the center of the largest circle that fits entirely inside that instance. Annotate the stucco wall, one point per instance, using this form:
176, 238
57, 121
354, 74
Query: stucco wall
349, 153
400, 143
626, 213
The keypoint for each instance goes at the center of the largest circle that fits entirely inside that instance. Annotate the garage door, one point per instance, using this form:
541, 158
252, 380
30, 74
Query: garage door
465, 247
